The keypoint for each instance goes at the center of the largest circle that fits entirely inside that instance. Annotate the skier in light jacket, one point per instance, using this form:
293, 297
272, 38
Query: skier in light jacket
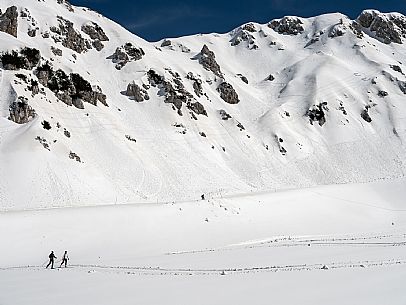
65, 259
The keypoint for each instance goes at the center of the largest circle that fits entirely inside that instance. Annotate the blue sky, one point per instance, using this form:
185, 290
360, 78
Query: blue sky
157, 19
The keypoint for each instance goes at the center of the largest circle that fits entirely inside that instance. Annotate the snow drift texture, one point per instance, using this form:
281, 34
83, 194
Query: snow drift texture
92, 114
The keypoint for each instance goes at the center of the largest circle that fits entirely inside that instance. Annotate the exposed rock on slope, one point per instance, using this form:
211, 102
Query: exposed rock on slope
227, 93
388, 28
287, 26
71, 89
26, 58
21, 112
70, 38
96, 33
125, 54
8, 21
138, 94
208, 60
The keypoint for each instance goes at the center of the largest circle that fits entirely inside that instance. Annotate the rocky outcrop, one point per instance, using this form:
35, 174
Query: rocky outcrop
386, 27
125, 54
56, 51
154, 78
70, 38
96, 33
317, 113
337, 30
8, 21
66, 4
175, 93
92, 95
21, 112
197, 108
396, 68
197, 84
287, 26
227, 93
175, 97
208, 60
33, 87
365, 115
166, 43
402, 86
71, 89
26, 58
136, 92
250, 27
242, 35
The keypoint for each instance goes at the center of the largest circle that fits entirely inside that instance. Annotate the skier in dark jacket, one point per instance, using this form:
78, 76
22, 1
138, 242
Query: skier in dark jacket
52, 257
65, 259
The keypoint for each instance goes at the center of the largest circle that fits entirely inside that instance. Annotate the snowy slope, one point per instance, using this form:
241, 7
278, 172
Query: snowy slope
332, 112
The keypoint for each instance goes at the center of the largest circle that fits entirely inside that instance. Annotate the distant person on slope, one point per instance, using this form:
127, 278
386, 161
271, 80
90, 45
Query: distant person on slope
52, 258
65, 259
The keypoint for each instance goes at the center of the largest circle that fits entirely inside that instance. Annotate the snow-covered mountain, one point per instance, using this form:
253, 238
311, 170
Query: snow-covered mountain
92, 114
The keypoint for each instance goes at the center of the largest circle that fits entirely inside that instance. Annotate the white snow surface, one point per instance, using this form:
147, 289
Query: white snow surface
165, 164
321, 221
340, 244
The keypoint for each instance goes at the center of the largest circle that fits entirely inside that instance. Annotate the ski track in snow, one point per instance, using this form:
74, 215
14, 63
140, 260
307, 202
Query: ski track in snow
379, 240
131, 270
372, 241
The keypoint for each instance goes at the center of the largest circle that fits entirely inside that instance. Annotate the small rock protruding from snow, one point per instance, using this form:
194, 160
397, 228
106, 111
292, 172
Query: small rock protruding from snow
56, 51
243, 78
74, 156
224, 115
8, 21
270, 78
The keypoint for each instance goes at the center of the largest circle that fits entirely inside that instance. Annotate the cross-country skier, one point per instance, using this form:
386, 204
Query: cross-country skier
52, 257
65, 259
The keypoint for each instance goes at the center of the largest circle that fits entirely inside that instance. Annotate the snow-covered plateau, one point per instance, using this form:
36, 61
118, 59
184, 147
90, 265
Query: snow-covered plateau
292, 130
